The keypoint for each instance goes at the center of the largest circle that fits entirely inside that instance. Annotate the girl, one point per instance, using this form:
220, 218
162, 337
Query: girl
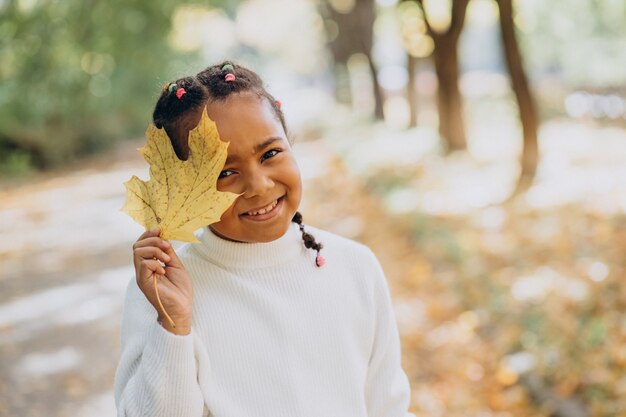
266, 324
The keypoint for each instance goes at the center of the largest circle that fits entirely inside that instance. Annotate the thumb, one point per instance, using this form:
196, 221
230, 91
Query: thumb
175, 261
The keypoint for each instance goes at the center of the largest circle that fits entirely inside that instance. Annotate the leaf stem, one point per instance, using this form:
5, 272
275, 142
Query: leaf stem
156, 289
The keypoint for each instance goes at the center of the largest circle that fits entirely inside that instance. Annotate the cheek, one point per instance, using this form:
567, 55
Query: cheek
295, 174
219, 186
227, 184
228, 224
230, 211
294, 181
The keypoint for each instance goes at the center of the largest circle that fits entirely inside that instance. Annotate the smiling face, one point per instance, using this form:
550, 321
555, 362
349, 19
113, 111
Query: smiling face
260, 166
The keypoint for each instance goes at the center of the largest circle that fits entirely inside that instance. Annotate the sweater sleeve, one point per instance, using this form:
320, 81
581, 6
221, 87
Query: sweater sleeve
387, 389
156, 375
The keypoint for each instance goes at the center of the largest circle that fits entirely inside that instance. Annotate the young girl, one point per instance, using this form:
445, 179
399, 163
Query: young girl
270, 322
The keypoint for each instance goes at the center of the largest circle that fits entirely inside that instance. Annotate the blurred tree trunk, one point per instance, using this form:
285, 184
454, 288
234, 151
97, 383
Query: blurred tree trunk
451, 125
412, 90
445, 54
519, 83
355, 34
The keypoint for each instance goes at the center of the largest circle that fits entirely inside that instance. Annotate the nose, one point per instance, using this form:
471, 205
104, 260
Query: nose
257, 183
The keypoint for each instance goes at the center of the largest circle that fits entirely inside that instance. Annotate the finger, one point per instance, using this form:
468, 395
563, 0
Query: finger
151, 252
175, 261
152, 241
155, 231
151, 266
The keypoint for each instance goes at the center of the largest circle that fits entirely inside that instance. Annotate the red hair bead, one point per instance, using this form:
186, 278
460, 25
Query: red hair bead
319, 260
180, 92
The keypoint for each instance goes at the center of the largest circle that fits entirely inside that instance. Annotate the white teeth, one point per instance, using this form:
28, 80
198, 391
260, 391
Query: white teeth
263, 210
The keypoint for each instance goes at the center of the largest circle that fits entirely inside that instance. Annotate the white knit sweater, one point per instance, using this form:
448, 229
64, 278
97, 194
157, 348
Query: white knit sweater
272, 336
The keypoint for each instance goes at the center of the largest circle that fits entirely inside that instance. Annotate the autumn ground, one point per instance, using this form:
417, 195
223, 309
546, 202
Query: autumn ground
505, 309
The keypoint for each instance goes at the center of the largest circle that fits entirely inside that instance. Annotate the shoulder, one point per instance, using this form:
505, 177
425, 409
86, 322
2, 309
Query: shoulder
353, 261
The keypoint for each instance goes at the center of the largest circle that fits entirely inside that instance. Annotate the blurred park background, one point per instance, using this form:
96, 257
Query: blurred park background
478, 146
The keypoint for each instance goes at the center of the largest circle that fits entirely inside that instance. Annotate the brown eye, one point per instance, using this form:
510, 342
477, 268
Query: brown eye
270, 154
225, 173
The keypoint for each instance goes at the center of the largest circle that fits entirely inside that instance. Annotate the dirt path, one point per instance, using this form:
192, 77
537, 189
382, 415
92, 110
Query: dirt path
64, 251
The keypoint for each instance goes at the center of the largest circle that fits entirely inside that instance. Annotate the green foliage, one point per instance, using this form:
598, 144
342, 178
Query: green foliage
76, 75
15, 163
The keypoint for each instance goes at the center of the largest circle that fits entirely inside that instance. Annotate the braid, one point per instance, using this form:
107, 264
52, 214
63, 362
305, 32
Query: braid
309, 239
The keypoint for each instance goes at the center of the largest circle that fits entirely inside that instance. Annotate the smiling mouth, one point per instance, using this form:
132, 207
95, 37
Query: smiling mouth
263, 210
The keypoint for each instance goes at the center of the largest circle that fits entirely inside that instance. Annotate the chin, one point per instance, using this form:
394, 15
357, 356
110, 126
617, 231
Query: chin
265, 235
270, 235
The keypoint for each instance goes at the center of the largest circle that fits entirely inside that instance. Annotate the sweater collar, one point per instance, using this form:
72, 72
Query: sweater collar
231, 254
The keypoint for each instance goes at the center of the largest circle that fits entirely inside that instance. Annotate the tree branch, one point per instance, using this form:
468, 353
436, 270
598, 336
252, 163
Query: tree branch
429, 28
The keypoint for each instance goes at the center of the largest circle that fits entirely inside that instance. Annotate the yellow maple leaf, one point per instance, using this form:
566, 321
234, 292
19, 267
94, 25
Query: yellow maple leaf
181, 196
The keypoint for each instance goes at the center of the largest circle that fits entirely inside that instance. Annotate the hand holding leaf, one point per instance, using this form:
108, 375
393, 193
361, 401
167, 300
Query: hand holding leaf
181, 196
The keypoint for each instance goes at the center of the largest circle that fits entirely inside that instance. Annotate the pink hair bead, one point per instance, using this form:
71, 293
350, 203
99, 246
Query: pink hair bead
319, 260
180, 92
229, 77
